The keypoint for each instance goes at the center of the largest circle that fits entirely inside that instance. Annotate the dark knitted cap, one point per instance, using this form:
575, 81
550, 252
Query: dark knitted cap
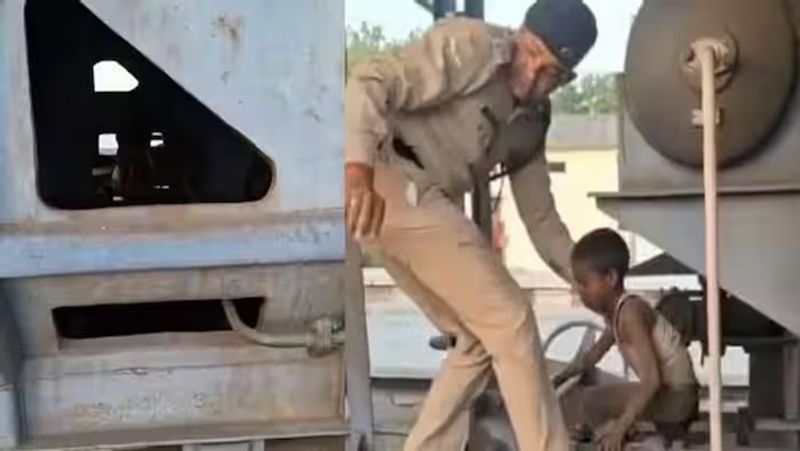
567, 27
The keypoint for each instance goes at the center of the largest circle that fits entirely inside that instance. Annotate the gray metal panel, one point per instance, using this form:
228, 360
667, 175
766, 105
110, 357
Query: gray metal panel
182, 384
10, 349
9, 416
295, 294
18, 196
758, 244
759, 214
273, 71
169, 380
240, 446
359, 387
304, 436
117, 246
10, 368
641, 168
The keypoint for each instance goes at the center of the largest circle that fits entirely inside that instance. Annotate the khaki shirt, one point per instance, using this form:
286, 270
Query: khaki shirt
447, 98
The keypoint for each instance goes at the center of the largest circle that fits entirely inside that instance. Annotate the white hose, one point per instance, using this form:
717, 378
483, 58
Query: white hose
298, 340
591, 325
709, 105
324, 339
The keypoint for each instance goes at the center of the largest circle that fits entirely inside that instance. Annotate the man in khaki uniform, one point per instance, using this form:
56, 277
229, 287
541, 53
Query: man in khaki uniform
421, 127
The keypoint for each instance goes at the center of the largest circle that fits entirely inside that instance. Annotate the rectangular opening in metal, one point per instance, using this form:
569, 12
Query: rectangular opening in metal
120, 320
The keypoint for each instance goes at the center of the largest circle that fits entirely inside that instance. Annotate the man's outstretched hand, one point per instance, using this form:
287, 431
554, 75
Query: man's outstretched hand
364, 208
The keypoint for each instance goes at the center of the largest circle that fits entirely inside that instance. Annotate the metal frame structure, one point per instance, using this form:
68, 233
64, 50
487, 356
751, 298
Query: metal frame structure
755, 204
249, 63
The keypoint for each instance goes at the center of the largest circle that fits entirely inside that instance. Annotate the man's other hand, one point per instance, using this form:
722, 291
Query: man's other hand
364, 208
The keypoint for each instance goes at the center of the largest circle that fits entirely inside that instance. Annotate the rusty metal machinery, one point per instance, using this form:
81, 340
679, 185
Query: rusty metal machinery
754, 87
219, 184
661, 183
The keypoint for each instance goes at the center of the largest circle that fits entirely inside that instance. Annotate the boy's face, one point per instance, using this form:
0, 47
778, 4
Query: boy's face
597, 290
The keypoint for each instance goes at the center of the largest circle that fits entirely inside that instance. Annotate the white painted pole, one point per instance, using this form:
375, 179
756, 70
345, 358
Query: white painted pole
709, 105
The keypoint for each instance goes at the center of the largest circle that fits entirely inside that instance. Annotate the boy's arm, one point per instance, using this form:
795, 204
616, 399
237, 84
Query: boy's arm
599, 349
587, 360
635, 326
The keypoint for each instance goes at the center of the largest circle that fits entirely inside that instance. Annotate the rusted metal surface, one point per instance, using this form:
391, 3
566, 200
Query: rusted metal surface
758, 248
644, 170
758, 205
295, 294
182, 386
157, 381
10, 368
9, 427
257, 445
174, 439
759, 200
359, 387
753, 86
283, 67
274, 74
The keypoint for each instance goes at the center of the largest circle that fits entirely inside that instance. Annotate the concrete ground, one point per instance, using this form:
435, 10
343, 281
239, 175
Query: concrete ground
399, 334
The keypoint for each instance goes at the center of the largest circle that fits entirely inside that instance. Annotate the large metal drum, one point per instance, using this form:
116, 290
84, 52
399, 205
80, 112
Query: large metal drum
662, 74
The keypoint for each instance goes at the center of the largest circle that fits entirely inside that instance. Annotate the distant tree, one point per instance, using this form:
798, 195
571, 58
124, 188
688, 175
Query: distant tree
590, 94
369, 40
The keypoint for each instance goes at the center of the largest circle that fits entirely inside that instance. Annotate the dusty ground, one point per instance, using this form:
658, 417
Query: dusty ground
399, 334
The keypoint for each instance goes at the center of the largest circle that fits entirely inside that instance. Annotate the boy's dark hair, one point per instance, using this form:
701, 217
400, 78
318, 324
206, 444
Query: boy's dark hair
603, 250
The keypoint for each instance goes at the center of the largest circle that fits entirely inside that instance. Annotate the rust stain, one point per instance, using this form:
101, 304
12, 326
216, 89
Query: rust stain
230, 27
311, 112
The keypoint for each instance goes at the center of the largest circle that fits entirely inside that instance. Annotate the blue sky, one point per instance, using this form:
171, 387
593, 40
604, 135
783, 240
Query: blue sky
614, 17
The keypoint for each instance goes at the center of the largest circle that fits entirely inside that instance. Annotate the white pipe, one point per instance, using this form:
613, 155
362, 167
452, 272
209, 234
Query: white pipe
291, 340
300, 340
709, 105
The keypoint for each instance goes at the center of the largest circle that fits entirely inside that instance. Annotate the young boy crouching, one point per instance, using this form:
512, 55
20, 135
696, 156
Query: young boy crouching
667, 390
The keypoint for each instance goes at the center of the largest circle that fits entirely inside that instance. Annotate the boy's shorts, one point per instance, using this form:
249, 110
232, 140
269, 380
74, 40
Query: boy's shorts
673, 405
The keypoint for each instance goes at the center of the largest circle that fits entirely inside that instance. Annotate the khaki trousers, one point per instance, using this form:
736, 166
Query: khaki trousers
441, 260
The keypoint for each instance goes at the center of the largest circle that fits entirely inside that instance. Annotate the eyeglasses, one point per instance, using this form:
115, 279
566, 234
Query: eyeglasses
559, 75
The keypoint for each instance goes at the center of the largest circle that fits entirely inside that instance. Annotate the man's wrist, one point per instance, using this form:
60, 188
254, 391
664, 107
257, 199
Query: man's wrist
358, 175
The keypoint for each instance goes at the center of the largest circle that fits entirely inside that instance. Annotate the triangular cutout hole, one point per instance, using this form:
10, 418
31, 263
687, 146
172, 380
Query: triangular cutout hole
88, 85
